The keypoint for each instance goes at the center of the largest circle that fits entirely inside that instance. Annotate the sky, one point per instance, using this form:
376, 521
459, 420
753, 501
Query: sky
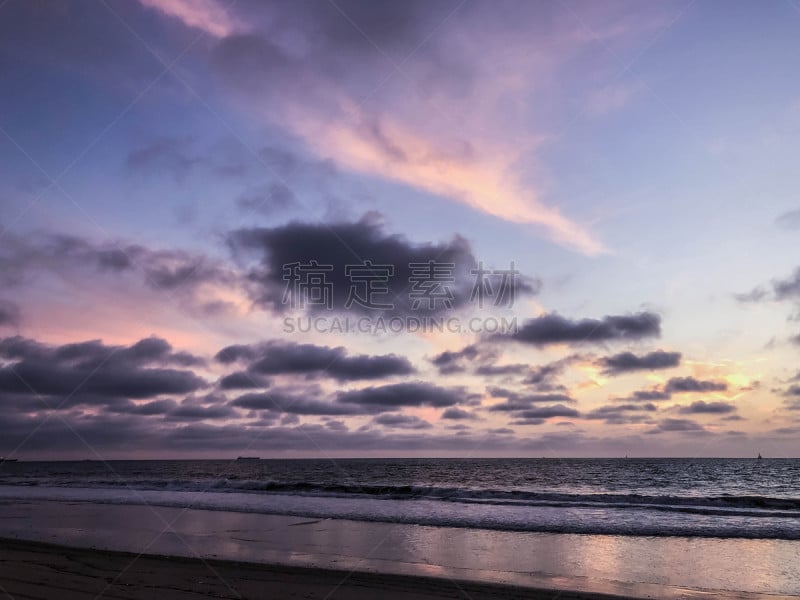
348, 228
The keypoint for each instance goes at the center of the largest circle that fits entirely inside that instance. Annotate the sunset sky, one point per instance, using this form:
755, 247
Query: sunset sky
636, 162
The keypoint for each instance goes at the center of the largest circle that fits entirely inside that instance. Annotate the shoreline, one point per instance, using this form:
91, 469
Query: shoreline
618, 566
580, 565
43, 570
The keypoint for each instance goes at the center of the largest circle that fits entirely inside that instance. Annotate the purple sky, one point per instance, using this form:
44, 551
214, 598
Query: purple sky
624, 172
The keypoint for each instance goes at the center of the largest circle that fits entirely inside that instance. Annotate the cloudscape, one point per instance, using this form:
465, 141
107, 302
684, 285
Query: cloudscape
299, 229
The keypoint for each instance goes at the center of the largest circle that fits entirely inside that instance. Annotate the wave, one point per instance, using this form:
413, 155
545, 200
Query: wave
425, 511
732, 505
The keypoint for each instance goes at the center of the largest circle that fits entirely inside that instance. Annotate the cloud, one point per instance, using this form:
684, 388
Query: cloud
788, 288
618, 414
789, 220
207, 15
194, 278
154, 407
792, 395
351, 257
180, 156
458, 414
555, 329
92, 372
682, 385
540, 414
757, 294
625, 362
651, 395
677, 425
492, 370
451, 361
675, 385
314, 70
396, 395
708, 408
279, 357
402, 421
242, 381
782, 289
192, 411
9, 313
543, 377
267, 199
282, 402
515, 401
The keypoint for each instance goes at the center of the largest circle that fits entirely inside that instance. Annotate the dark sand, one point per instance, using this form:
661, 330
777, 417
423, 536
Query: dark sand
31, 570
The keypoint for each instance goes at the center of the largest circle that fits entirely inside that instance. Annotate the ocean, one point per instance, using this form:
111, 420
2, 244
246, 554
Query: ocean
712, 498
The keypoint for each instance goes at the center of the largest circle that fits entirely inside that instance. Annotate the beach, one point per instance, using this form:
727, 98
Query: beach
33, 570
81, 546
30, 570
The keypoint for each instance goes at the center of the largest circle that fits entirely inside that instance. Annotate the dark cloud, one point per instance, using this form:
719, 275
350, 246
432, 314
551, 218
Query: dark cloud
547, 412
628, 361
402, 421
396, 395
9, 313
458, 414
296, 404
502, 431
555, 329
492, 370
711, 408
278, 357
677, 425
515, 401
242, 381
337, 246
792, 393
787, 431
451, 361
782, 289
91, 372
24, 259
619, 414
788, 288
543, 377
680, 385
652, 395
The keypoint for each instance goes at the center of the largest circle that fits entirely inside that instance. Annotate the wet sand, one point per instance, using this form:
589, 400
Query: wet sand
33, 570
262, 555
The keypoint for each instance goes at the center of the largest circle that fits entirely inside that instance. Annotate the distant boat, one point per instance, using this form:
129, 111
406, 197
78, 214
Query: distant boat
5, 460
248, 458
760, 457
